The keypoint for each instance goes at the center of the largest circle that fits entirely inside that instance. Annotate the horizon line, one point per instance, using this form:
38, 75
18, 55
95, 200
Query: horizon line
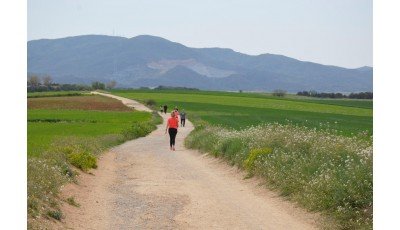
254, 55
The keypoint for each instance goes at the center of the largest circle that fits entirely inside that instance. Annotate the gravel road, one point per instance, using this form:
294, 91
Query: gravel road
141, 184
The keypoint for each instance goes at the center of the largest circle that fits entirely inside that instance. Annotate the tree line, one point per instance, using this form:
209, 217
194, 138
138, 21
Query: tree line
46, 83
360, 95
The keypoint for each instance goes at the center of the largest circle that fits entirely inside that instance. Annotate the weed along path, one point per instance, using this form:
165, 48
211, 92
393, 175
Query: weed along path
141, 184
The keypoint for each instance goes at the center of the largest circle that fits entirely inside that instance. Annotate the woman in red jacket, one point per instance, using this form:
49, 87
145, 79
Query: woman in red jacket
172, 128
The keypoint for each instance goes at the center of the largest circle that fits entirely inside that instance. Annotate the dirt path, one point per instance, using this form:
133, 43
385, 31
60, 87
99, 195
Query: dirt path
130, 103
141, 184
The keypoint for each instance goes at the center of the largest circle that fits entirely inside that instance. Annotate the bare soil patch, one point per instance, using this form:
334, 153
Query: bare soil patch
90, 102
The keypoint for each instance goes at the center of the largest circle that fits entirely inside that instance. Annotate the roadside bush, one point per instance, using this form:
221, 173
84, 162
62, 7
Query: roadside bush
150, 102
202, 139
141, 129
321, 171
255, 154
232, 149
56, 214
83, 160
156, 119
138, 129
71, 201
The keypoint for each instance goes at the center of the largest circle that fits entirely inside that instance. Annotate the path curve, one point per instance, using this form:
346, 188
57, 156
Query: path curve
128, 102
141, 184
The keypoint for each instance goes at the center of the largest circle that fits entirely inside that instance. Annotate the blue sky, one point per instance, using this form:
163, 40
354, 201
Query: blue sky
330, 32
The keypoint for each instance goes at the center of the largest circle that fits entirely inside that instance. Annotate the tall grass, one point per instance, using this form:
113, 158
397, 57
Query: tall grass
321, 171
62, 161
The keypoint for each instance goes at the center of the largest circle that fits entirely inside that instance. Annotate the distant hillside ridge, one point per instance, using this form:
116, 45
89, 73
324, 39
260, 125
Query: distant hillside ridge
149, 61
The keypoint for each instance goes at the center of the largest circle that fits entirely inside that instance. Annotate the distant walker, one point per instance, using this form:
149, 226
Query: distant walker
183, 118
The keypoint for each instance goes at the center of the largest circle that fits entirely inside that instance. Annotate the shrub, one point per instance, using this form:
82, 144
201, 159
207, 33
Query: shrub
98, 85
253, 156
55, 214
231, 149
156, 119
150, 102
202, 139
137, 129
83, 160
71, 201
141, 129
279, 93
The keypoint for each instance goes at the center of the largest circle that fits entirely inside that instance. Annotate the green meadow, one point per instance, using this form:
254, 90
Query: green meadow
55, 94
240, 110
46, 126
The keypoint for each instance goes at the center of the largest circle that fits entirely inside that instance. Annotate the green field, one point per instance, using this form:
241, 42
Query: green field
239, 110
95, 122
56, 93
45, 126
50, 125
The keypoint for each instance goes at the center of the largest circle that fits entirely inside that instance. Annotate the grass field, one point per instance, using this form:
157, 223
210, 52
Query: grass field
324, 164
52, 118
56, 94
239, 110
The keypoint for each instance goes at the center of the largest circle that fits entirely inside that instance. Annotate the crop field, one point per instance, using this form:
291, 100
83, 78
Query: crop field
52, 118
240, 110
88, 102
56, 94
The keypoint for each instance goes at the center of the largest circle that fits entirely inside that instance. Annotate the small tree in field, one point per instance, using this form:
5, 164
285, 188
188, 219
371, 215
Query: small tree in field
47, 80
111, 84
33, 81
98, 85
279, 93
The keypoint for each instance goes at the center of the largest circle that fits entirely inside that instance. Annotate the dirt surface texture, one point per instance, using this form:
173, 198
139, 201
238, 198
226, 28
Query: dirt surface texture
142, 184
128, 102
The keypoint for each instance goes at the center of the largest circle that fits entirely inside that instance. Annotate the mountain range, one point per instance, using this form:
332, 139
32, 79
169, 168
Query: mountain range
149, 61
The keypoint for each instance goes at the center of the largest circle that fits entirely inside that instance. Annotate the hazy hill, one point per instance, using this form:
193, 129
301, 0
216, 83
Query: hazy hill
151, 61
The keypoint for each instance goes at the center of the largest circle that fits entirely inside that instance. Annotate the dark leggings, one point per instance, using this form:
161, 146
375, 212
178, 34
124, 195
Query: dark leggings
183, 122
172, 134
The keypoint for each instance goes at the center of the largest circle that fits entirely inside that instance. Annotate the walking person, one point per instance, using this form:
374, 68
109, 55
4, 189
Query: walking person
183, 118
172, 128
165, 109
176, 113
